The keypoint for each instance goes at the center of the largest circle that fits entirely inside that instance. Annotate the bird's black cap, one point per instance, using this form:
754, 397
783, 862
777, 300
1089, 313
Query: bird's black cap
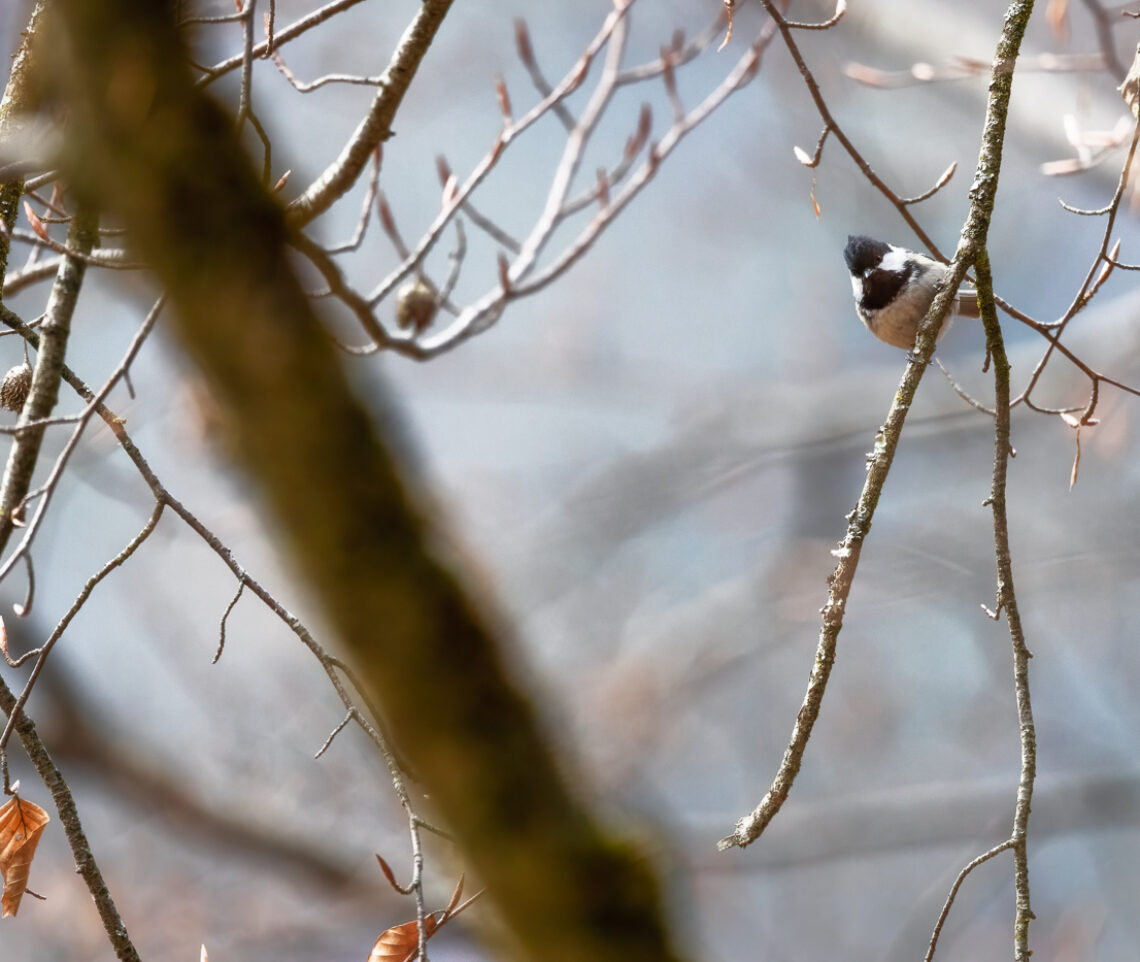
863, 253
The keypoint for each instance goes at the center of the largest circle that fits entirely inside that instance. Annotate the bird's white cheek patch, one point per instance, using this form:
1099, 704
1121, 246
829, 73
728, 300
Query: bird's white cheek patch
857, 287
894, 259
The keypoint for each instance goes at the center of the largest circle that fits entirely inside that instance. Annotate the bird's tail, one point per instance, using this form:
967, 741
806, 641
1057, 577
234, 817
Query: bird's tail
967, 305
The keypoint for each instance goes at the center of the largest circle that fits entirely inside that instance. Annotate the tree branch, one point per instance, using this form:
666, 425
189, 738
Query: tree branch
175, 174
974, 233
376, 126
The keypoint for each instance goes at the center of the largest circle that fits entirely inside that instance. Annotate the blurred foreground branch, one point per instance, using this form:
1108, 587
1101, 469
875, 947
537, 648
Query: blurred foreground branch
151, 148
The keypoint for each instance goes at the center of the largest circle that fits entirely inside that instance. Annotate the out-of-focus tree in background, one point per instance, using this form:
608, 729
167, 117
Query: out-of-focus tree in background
532, 346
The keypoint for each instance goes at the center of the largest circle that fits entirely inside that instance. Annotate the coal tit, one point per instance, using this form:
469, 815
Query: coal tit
894, 289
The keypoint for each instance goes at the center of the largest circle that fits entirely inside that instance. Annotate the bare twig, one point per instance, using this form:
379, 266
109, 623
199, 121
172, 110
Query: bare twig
944, 914
1007, 601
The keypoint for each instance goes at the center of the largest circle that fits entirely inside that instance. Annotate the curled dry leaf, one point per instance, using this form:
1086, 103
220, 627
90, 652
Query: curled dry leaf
391, 876
21, 825
728, 5
400, 942
37, 224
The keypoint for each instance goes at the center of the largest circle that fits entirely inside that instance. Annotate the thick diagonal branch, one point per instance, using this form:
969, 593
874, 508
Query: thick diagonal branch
169, 165
376, 126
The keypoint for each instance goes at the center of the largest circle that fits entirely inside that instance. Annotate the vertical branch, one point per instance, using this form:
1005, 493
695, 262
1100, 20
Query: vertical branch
48, 371
14, 103
1007, 601
85, 863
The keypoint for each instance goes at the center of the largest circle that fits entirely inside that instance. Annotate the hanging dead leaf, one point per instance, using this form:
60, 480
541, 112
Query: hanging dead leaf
21, 825
400, 942
205, 957
391, 876
728, 5
37, 224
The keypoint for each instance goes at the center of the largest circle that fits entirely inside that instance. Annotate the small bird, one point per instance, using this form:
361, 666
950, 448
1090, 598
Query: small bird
894, 289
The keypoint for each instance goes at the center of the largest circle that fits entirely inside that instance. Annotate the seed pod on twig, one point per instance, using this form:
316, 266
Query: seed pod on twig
15, 386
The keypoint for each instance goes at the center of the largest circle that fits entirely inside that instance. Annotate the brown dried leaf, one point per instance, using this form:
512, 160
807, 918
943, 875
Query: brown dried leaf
21, 825
814, 202
37, 225
728, 5
400, 942
455, 897
205, 957
391, 876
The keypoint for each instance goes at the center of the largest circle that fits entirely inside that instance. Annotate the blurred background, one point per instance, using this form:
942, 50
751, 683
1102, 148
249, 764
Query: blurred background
648, 463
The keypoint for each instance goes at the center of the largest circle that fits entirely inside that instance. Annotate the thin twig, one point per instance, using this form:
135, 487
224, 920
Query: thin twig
1007, 601
944, 914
